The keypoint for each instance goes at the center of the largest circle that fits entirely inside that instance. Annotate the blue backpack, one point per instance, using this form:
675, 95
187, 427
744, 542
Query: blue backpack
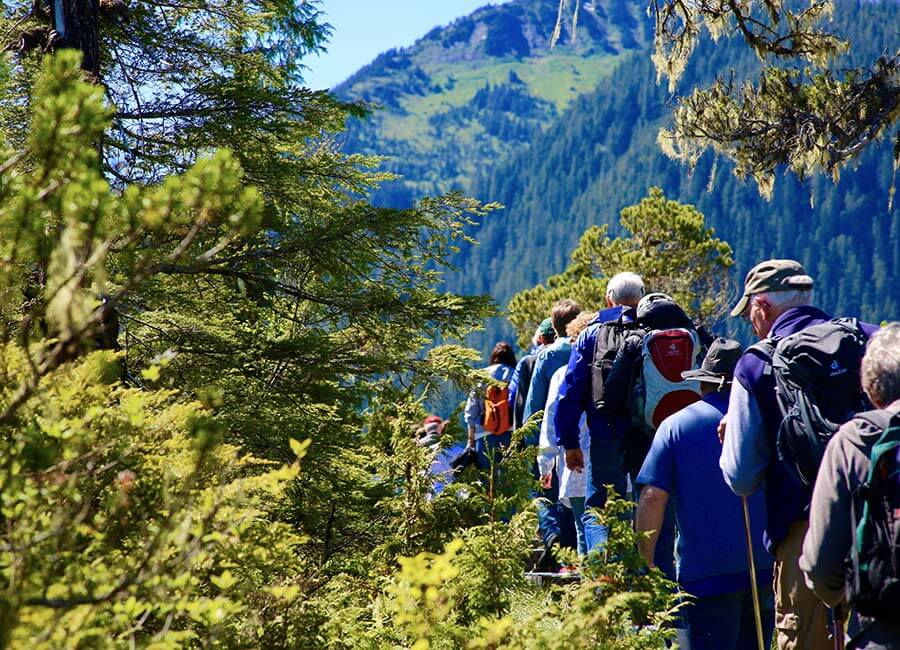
875, 553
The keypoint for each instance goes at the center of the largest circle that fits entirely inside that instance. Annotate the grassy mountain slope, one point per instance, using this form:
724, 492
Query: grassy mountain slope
470, 94
602, 155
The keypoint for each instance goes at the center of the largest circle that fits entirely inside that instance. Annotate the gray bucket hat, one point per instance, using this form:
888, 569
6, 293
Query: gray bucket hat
718, 366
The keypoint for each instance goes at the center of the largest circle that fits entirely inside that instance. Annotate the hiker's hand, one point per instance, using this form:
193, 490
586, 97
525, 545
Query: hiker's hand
575, 460
547, 480
723, 423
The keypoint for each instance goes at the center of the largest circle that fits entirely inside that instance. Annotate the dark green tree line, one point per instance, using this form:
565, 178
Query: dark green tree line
810, 110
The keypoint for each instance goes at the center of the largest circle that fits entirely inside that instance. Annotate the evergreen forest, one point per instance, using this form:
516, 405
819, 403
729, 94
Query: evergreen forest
603, 155
223, 318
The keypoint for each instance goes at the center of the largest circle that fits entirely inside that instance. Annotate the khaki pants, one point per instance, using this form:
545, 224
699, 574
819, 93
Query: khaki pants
801, 619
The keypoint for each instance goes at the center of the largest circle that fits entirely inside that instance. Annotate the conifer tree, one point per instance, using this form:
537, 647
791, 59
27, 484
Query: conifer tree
292, 328
668, 245
808, 110
120, 506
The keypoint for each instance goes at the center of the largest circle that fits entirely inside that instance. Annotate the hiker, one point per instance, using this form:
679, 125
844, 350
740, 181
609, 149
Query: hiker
600, 341
521, 379
431, 430
487, 414
444, 466
551, 459
838, 506
555, 523
682, 470
551, 357
776, 300
645, 383
662, 323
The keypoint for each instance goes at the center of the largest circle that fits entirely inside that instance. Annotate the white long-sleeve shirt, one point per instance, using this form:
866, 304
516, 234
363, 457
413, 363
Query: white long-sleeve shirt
746, 451
571, 484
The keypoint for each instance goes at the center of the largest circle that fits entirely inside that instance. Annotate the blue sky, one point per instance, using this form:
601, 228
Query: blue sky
365, 28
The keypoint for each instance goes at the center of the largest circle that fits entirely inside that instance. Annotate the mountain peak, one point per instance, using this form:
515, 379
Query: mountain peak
516, 30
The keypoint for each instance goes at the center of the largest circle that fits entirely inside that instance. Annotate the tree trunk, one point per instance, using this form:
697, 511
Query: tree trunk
78, 24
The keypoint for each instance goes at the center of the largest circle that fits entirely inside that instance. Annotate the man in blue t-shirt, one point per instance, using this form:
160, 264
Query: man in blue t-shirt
683, 464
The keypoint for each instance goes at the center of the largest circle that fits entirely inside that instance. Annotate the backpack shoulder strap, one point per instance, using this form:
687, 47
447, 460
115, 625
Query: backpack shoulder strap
890, 434
766, 349
852, 326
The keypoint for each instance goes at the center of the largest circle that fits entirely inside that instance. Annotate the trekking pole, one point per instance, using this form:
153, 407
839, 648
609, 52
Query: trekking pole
837, 626
753, 589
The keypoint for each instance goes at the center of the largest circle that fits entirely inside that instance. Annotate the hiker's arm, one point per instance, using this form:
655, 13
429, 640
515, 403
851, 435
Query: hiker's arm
746, 451
546, 458
514, 386
650, 512
547, 444
827, 543
473, 415
657, 475
573, 393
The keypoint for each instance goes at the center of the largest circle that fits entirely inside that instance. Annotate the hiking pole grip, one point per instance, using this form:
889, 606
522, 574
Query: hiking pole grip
753, 588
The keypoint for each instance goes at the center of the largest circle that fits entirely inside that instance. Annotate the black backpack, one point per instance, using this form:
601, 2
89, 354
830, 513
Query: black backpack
525, 372
818, 388
610, 338
874, 584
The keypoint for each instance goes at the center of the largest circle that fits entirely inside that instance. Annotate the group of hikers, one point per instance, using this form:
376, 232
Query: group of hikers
767, 479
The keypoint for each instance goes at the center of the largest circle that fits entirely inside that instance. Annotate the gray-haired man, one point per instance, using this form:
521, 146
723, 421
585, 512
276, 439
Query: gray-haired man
776, 301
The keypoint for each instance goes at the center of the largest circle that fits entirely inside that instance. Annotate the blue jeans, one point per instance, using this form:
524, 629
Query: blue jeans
726, 621
603, 467
548, 513
555, 521
578, 514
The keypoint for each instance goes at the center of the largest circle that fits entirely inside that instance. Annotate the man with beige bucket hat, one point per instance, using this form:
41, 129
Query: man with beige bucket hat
777, 302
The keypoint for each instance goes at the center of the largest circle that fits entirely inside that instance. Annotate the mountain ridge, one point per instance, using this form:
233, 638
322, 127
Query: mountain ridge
433, 126
602, 155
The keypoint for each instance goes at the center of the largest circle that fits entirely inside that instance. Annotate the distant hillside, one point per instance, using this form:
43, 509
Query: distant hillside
485, 106
602, 155
470, 94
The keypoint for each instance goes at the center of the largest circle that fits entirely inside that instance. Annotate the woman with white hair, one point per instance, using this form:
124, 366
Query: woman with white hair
836, 496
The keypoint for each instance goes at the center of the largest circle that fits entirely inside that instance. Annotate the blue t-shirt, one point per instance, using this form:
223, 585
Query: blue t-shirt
712, 548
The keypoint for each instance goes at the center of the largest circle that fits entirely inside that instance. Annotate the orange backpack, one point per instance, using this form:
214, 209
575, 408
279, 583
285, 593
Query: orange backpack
497, 414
